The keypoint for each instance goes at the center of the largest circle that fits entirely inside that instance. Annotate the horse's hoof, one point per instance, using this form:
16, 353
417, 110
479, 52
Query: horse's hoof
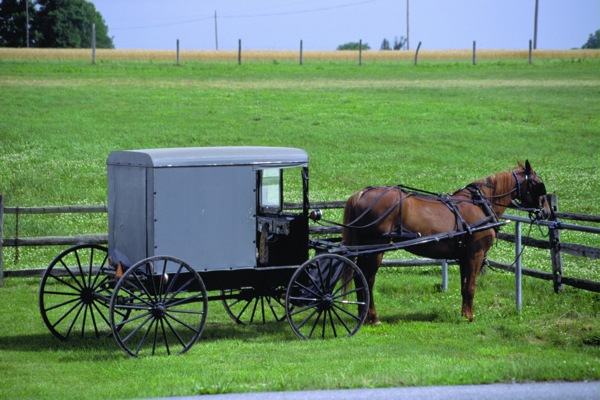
373, 323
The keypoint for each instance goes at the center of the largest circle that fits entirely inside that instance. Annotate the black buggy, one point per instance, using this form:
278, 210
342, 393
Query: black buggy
189, 225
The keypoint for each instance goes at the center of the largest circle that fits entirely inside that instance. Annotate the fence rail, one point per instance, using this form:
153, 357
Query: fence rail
554, 244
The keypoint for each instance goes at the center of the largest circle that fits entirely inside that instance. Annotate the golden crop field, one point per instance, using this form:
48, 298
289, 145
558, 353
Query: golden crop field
286, 56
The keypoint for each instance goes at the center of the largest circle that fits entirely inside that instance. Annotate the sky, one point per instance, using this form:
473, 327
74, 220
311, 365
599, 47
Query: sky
325, 24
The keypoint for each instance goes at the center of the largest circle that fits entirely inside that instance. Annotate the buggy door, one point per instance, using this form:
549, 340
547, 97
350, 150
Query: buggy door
282, 222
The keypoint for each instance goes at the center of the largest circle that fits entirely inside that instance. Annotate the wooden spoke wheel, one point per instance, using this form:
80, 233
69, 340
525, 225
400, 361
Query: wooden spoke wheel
327, 297
75, 292
249, 305
167, 304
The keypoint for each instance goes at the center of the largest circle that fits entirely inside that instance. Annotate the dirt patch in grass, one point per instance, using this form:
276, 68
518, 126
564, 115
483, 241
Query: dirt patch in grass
253, 84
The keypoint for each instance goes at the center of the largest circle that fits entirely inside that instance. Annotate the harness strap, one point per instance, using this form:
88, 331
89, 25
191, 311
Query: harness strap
461, 224
368, 209
479, 199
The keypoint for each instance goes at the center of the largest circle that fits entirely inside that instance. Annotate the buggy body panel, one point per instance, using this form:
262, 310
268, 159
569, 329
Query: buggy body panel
199, 203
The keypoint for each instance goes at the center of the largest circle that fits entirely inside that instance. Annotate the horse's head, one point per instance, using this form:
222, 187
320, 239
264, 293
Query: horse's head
530, 191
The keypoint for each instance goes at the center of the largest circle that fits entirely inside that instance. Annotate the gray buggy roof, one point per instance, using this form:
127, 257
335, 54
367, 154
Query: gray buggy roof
209, 156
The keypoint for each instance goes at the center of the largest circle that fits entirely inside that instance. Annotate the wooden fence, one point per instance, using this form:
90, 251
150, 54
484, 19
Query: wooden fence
553, 244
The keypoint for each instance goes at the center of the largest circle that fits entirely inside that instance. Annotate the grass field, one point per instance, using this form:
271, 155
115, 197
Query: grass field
437, 126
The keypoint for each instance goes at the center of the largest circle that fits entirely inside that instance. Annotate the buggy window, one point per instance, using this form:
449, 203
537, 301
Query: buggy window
270, 190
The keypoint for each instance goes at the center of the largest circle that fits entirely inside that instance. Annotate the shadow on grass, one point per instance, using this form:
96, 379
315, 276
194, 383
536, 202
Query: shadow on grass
411, 317
43, 342
105, 347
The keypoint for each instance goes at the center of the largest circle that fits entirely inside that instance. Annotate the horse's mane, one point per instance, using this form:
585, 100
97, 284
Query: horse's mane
501, 182
498, 188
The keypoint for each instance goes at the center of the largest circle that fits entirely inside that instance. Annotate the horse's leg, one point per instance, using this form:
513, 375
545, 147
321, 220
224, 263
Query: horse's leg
469, 270
369, 264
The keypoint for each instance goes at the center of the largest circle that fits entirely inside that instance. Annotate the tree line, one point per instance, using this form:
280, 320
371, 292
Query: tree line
593, 42
399, 44
51, 23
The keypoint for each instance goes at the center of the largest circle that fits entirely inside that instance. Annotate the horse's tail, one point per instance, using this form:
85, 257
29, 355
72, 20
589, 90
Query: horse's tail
348, 233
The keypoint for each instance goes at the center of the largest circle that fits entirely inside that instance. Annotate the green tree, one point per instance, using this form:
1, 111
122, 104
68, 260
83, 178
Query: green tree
385, 45
13, 23
353, 46
68, 24
593, 41
399, 43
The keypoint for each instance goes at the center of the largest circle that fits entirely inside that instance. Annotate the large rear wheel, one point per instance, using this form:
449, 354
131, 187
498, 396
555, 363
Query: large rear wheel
75, 291
167, 303
327, 297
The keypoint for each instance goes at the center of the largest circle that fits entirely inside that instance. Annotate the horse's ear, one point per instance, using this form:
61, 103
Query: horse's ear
528, 168
520, 164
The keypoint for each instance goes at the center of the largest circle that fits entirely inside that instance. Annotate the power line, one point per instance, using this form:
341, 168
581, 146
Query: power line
261, 15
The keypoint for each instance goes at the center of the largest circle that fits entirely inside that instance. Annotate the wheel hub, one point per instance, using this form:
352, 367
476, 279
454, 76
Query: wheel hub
87, 295
327, 302
159, 311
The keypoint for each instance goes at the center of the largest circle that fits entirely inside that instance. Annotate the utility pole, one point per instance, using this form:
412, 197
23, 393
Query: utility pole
535, 24
216, 32
27, 21
407, 27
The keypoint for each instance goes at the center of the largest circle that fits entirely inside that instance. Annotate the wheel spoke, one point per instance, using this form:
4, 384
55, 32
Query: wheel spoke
144, 336
340, 319
237, 317
316, 323
101, 314
164, 334
64, 303
251, 305
78, 304
132, 319
79, 307
62, 281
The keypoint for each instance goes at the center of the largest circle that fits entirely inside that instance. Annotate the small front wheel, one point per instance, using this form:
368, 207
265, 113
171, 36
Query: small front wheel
167, 303
327, 297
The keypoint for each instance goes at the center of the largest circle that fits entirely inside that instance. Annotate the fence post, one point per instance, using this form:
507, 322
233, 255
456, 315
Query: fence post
445, 275
360, 52
300, 52
1, 236
555, 255
417, 53
474, 53
93, 43
518, 276
177, 51
239, 51
530, 51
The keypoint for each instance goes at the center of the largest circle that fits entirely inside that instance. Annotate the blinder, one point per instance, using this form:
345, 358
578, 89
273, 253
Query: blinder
539, 189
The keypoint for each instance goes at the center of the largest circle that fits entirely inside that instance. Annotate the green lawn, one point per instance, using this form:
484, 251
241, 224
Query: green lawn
437, 126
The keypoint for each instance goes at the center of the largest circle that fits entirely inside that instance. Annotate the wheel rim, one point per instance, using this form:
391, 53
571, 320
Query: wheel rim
75, 291
249, 305
327, 297
167, 303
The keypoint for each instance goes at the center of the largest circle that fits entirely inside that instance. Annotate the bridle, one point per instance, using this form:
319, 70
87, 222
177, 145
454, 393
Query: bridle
534, 189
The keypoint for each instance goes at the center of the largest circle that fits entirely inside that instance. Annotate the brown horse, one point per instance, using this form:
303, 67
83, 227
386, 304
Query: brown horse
380, 215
